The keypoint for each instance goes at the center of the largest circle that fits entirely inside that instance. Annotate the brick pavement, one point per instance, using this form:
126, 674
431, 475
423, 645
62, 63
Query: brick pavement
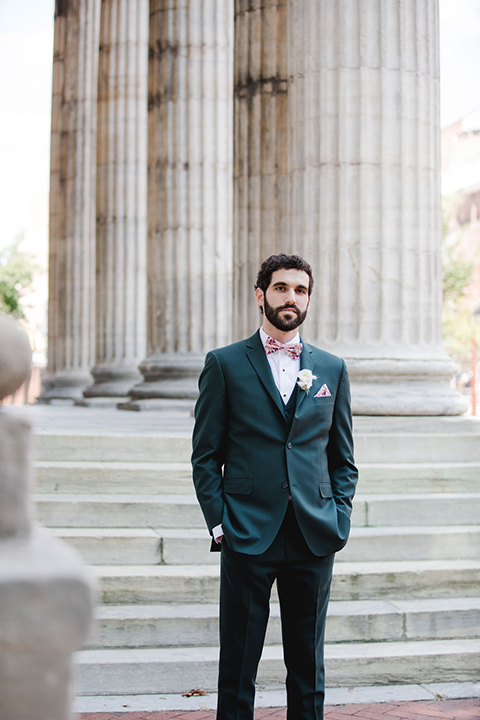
417, 710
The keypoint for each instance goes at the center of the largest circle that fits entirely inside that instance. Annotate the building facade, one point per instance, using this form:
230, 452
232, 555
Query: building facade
193, 138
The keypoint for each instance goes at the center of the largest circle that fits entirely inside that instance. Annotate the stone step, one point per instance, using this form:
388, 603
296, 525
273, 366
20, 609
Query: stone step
114, 447
83, 477
409, 477
171, 546
151, 478
351, 581
114, 546
417, 509
119, 511
173, 625
177, 670
370, 447
412, 543
422, 447
175, 511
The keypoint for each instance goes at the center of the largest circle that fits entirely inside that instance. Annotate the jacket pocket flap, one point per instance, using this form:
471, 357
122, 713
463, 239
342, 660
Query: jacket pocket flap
238, 487
325, 489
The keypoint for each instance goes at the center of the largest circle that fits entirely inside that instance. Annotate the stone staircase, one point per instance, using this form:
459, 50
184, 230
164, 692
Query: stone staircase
405, 604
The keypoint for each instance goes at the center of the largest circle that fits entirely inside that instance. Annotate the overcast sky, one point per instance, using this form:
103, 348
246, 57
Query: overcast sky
459, 58
26, 42
26, 49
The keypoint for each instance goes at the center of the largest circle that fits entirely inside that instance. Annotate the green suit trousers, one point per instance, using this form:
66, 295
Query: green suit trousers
303, 584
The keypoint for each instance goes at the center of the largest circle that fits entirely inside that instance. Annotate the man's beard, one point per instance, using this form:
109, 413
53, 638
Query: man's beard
280, 322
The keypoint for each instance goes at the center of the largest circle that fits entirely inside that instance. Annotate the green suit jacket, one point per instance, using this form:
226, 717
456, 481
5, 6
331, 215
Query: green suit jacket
247, 460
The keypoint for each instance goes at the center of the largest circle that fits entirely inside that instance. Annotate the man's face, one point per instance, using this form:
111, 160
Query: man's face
286, 301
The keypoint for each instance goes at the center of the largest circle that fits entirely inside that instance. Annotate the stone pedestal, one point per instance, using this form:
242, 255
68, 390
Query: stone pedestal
337, 159
45, 591
121, 198
72, 199
189, 191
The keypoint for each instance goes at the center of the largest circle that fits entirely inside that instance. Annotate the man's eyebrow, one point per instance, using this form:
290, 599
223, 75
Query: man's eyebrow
281, 283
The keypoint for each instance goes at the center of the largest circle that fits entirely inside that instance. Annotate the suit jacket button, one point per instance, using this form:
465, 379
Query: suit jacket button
289, 445
285, 485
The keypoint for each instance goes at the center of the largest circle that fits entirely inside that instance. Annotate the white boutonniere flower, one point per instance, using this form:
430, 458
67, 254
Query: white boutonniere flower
305, 380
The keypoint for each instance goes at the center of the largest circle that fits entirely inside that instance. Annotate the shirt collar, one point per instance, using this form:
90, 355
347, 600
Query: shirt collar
264, 337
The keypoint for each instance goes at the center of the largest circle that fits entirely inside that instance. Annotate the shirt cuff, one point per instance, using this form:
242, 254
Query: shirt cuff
217, 532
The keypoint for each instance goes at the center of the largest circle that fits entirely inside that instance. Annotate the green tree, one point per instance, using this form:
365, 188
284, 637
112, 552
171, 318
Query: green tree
458, 324
457, 274
16, 274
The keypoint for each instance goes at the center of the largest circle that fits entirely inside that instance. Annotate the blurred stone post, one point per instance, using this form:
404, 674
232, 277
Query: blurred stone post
45, 591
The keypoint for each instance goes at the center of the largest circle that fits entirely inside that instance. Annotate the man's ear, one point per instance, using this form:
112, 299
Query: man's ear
259, 296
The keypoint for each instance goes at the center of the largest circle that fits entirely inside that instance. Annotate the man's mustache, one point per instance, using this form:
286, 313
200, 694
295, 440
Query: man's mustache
289, 307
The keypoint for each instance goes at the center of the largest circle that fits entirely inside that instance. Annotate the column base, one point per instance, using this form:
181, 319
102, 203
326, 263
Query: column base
67, 385
112, 381
48, 381
404, 387
172, 376
110, 401
174, 406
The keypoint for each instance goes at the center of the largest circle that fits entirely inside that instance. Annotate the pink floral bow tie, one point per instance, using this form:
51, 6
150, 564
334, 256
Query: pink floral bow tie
273, 345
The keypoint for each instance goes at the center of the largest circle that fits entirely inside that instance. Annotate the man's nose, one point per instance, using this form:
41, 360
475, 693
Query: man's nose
291, 297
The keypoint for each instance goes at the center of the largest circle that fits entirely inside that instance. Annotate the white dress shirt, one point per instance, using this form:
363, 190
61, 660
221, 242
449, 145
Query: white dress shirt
284, 370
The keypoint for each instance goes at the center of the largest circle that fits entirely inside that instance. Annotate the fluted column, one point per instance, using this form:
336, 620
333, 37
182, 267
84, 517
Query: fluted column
48, 378
261, 142
72, 199
189, 192
348, 178
121, 197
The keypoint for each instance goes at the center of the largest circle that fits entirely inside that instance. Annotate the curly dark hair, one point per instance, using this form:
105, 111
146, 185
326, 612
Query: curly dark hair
278, 262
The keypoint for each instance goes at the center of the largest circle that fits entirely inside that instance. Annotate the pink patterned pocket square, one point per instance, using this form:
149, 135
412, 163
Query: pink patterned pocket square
323, 392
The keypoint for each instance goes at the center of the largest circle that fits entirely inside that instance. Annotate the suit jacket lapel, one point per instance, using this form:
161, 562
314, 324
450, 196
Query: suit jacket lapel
306, 363
258, 358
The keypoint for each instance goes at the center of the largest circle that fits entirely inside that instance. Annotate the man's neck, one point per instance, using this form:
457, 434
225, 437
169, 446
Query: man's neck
283, 337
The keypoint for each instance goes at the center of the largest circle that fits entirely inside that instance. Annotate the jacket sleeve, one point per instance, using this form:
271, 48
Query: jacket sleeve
342, 470
209, 439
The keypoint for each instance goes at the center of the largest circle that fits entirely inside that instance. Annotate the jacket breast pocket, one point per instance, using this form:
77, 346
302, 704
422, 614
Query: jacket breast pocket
238, 487
325, 490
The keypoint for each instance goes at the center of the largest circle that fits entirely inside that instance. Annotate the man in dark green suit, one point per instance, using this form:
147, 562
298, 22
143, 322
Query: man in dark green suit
274, 474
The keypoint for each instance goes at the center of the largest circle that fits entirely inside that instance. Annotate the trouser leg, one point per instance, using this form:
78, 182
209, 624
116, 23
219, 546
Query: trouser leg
245, 587
304, 590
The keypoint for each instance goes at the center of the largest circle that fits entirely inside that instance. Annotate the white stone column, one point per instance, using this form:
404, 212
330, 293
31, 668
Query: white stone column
72, 200
261, 151
121, 197
48, 378
337, 159
189, 191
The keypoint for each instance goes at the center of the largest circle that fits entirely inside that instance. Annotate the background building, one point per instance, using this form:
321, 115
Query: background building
461, 212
